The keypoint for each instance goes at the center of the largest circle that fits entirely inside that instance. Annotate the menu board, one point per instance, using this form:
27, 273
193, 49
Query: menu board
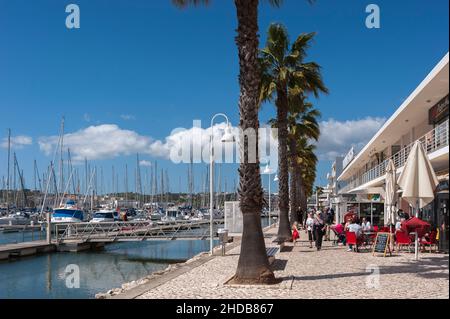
381, 244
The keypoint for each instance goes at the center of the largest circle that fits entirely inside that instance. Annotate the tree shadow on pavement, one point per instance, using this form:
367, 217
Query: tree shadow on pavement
424, 268
279, 265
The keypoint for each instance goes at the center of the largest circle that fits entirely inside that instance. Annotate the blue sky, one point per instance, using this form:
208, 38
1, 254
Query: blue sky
148, 67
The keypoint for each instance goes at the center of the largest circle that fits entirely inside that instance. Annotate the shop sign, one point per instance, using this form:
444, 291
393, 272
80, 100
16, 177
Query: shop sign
439, 111
348, 158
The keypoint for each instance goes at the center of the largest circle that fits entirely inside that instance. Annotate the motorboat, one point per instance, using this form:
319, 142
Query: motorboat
104, 216
69, 213
18, 218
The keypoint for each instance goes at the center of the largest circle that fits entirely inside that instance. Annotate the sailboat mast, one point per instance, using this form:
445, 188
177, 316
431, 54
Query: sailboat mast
126, 183
113, 183
151, 187
85, 175
156, 180
162, 185
8, 179
61, 160
167, 186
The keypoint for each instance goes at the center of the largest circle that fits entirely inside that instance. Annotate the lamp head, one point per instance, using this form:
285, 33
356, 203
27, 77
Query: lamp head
228, 136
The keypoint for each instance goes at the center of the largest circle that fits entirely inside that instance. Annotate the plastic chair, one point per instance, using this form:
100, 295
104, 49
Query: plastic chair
352, 239
403, 239
337, 237
430, 242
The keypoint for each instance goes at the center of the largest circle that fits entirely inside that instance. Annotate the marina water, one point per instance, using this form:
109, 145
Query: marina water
44, 276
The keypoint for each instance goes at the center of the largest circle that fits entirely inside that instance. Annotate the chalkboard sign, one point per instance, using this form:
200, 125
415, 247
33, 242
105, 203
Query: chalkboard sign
381, 244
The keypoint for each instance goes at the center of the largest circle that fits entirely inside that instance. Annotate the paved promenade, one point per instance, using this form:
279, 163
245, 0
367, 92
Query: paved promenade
308, 274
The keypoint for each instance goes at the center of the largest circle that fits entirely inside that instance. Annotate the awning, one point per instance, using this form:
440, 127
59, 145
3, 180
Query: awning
369, 190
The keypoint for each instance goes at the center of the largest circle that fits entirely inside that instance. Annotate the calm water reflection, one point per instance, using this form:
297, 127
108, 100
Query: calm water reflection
44, 276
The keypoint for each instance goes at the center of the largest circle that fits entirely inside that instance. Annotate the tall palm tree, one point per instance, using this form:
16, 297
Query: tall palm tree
302, 125
253, 266
306, 172
283, 69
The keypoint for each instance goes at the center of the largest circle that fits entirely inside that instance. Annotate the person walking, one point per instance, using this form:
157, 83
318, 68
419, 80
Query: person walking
300, 216
329, 218
295, 233
319, 229
309, 225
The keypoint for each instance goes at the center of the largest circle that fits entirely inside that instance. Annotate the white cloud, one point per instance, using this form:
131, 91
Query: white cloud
145, 163
104, 142
109, 141
338, 137
17, 142
128, 117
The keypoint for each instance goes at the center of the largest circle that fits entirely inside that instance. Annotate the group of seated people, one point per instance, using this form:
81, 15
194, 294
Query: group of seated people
354, 225
365, 232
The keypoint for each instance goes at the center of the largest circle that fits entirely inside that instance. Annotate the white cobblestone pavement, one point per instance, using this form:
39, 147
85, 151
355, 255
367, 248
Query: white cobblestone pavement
309, 274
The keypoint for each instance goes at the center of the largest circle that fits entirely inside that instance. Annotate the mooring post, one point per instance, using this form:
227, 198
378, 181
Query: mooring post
49, 230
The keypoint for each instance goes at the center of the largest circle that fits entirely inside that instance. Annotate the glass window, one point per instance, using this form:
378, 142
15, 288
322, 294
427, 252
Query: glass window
365, 211
373, 212
378, 214
427, 213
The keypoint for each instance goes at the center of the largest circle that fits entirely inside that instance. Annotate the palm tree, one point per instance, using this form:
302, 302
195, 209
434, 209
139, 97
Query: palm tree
253, 266
283, 70
302, 125
306, 171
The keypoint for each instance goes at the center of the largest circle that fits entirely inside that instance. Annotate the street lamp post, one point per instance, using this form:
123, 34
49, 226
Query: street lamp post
227, 137
276, 179
268, 171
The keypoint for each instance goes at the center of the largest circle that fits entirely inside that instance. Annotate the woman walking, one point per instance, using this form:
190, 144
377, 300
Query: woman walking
309, 224
319, 228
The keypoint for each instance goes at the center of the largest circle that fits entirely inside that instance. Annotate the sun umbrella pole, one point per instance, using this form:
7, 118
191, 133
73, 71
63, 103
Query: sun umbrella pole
417, 237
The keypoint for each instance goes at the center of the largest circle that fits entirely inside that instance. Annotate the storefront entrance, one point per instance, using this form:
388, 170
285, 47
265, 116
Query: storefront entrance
442, 218
373, 212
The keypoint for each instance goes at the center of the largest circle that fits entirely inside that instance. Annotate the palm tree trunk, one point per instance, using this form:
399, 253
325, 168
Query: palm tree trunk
303, 199
299, 189
253, 266
293, 181
284, 229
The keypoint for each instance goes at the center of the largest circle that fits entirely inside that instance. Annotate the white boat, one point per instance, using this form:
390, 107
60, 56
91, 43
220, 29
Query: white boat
103, 216
69, 213
19, 218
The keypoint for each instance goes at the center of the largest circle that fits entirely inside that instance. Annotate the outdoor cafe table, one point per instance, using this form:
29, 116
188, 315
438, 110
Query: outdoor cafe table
368, 236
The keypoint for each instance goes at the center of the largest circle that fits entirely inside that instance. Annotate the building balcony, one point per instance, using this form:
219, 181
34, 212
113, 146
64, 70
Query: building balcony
434, 141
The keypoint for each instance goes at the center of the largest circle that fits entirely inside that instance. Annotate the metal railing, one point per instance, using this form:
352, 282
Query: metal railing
431, 142
133, 231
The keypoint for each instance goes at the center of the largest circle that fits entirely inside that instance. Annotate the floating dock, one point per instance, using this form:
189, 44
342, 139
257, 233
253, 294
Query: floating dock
25, 249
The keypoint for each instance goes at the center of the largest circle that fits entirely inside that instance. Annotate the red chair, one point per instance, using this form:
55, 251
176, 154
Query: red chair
430, 242
403, 239
384, 229
353, 240
375, 229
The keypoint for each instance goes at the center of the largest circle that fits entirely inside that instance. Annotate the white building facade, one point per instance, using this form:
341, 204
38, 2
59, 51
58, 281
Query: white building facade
423, 116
